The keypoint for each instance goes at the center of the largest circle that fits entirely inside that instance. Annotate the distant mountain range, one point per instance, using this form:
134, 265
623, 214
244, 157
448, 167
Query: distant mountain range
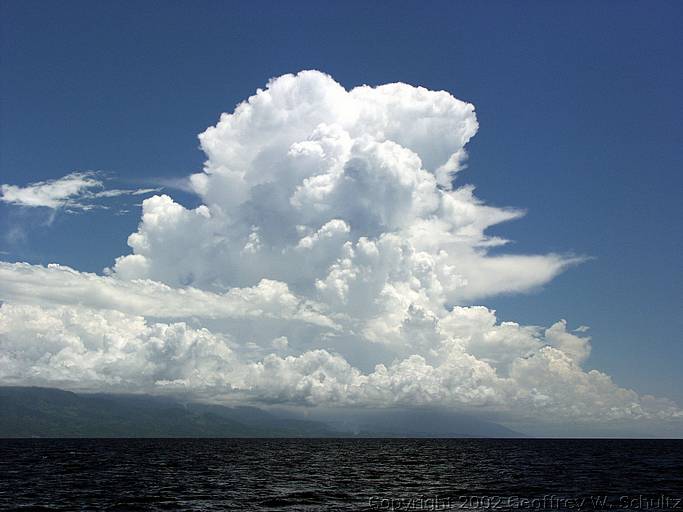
49, 412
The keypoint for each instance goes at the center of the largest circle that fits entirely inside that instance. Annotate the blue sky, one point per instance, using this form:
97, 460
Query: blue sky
578, 103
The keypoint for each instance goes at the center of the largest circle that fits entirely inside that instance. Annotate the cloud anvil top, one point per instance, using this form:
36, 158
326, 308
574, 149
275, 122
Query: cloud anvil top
333, 260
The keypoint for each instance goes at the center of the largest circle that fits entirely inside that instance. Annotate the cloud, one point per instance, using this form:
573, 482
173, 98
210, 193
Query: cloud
83, 348
58, 193
333, 260
116, 192
77, 191
305, 156
60, 285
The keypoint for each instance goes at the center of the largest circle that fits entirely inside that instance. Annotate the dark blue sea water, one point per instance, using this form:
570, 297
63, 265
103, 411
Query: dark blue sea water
340, 474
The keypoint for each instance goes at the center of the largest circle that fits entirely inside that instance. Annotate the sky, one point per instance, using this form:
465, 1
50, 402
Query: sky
574, 115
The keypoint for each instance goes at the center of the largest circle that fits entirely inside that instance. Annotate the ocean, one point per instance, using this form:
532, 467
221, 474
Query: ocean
340, 474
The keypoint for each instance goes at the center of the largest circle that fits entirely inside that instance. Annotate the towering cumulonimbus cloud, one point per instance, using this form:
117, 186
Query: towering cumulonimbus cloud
332, 261
305, 171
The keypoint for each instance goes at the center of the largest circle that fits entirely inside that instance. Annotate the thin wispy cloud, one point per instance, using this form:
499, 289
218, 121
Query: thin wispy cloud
58, 193
77, 191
